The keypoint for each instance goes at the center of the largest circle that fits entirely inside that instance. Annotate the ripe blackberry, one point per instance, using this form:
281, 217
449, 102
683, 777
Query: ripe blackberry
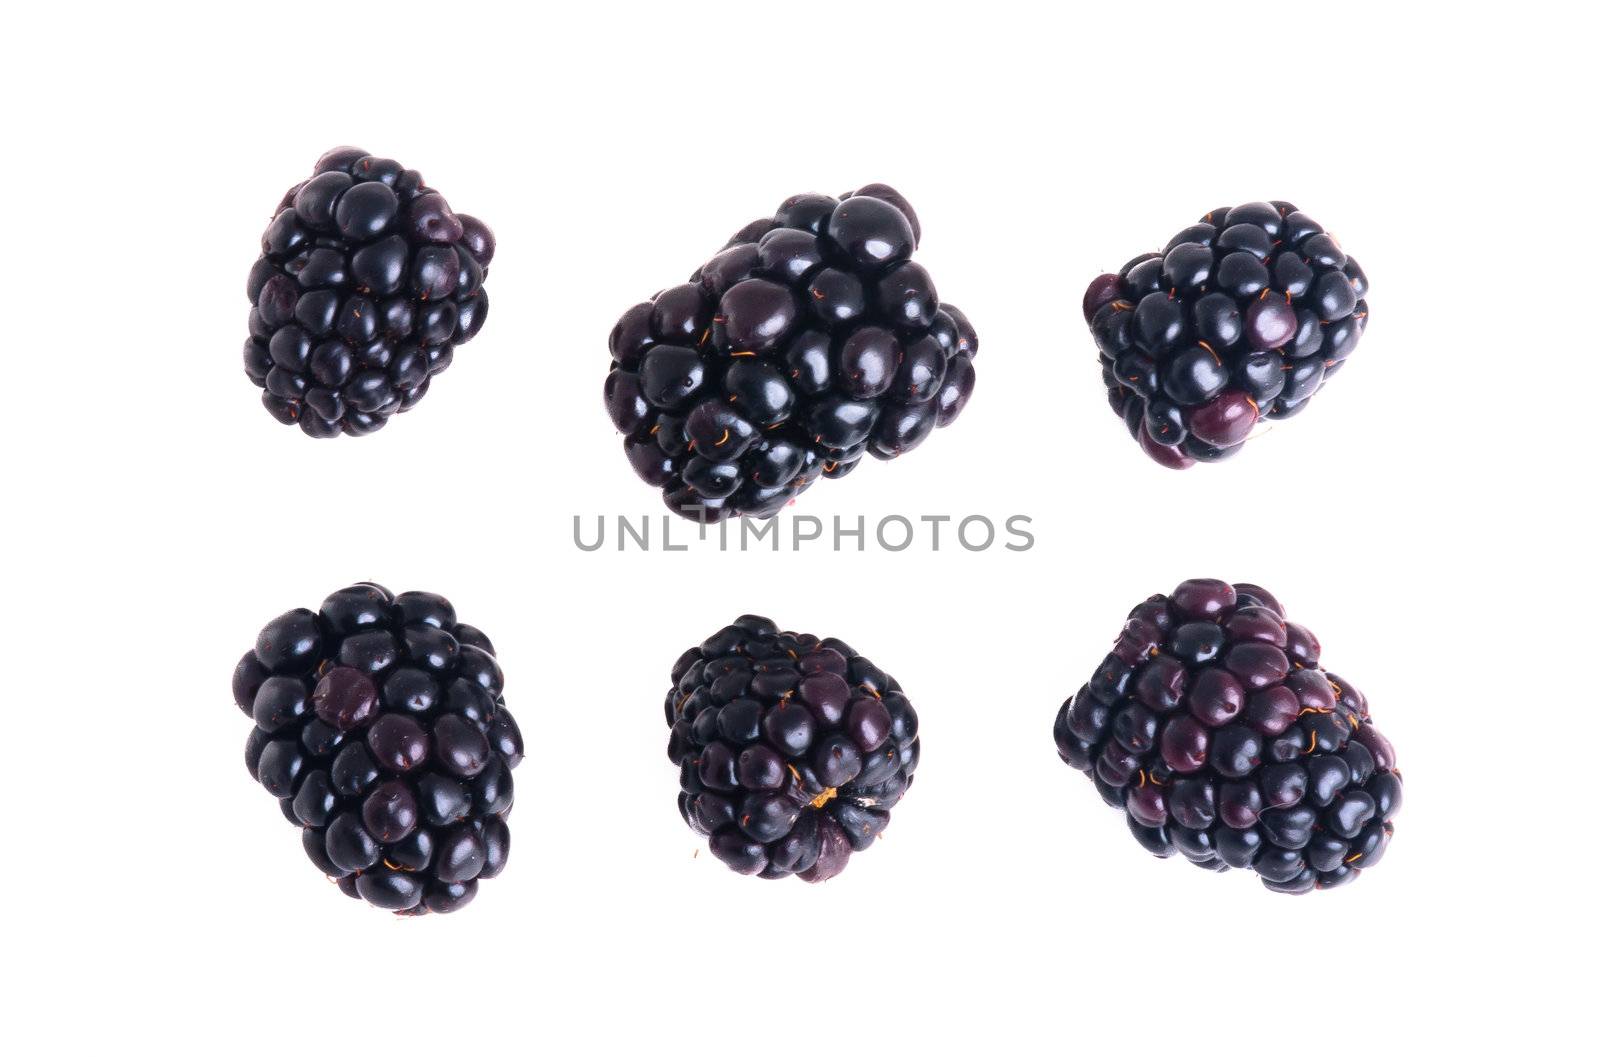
1214, 727
382, 729
1243, 316
366, 283
791, 749
811, 339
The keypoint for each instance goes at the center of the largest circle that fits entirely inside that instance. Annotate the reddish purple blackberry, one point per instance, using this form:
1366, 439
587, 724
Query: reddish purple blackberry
1214, 727
1243, 316
366, 283
382, 729
810, 340
791, 749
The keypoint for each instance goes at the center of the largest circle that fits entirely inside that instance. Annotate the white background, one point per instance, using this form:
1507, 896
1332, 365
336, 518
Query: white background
1423, 517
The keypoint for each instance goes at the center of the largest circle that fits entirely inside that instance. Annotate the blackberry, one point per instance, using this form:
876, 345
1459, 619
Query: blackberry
791, 749
809, 341
382, 729
366, 283
1214, 727
1243, 316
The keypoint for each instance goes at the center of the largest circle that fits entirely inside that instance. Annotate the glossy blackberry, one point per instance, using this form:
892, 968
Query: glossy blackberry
791, 749
1213, 725
1243, 316
382, 729
366, 283
809, 341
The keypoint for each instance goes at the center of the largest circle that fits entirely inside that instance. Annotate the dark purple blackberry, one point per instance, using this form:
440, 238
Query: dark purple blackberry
1243, 316
382, 729
366, 283
791, 749
1214, 727
810, 340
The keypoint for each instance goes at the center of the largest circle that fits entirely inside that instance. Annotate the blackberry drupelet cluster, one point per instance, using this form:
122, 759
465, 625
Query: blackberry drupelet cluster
1243, 316
1213, 726
810, 340
791, 749
366, 283
382, 729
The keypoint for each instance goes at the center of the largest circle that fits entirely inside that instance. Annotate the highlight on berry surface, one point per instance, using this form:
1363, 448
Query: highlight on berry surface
381, 727
1214, 727
366, 284
1241, 318
810, 340
791, 750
